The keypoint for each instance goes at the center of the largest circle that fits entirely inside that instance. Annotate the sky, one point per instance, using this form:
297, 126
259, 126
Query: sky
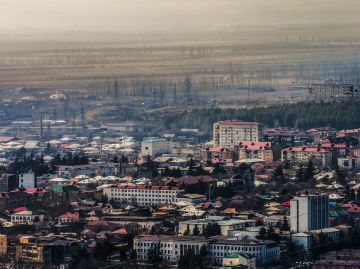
129, 14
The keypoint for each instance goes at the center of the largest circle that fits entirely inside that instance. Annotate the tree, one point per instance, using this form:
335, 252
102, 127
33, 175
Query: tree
310, 171
285, 224
103, 250
196, 230
262, 234
154, 254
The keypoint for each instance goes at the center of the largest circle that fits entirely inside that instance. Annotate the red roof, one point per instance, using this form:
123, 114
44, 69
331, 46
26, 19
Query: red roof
330, 145
120, 231
195, 179
250, 145
32, 190
5, 139
132, 187
287, 203
69, 215
305, 149
20, 209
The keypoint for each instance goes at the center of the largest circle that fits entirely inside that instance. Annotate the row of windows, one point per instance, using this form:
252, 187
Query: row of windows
143, 191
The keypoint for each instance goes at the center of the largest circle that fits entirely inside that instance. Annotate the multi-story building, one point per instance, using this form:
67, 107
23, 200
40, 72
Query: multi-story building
8, 182
91, 169
171, 248
209, 154
153, 146
303, 155
27, 180
265, 252
25, 217
50, 253
349, 163
3, 244
227, 133
258, 150
142, 195
225, 225
309, 212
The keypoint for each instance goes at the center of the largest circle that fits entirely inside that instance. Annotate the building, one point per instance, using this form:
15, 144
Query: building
154, 146
221, 154
309, 212
69, 218
8, 182
142, 195
265, 252
349, 163
25, 217
287, 136
171, 248
47, 253
227, 133
240, 258
251, 150
225, 225
90, 170
303, 155
3, 244
27, 180
192, 198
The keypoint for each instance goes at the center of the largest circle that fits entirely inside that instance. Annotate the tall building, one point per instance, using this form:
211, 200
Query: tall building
227, 133
27, 180
309, 212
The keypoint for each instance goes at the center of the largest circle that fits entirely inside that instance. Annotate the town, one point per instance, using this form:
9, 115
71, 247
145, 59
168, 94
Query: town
249, 197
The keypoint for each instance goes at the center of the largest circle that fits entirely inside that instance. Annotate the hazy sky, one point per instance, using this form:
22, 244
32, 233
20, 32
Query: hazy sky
119, 14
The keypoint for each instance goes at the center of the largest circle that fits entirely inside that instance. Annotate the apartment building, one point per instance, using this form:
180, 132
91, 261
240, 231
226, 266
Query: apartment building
227, 133
303, 155
142, 195
255, 150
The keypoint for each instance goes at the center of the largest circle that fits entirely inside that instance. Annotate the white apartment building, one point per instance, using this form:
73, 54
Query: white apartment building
142, 195
304, 154
153, 146
309, 212
255, 150
171, 248
227, 133
25, 217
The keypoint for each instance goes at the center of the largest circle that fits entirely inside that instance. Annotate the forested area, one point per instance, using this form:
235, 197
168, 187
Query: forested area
305, 115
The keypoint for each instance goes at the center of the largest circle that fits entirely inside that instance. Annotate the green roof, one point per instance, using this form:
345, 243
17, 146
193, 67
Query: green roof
64, 188
237, 254
154, 139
